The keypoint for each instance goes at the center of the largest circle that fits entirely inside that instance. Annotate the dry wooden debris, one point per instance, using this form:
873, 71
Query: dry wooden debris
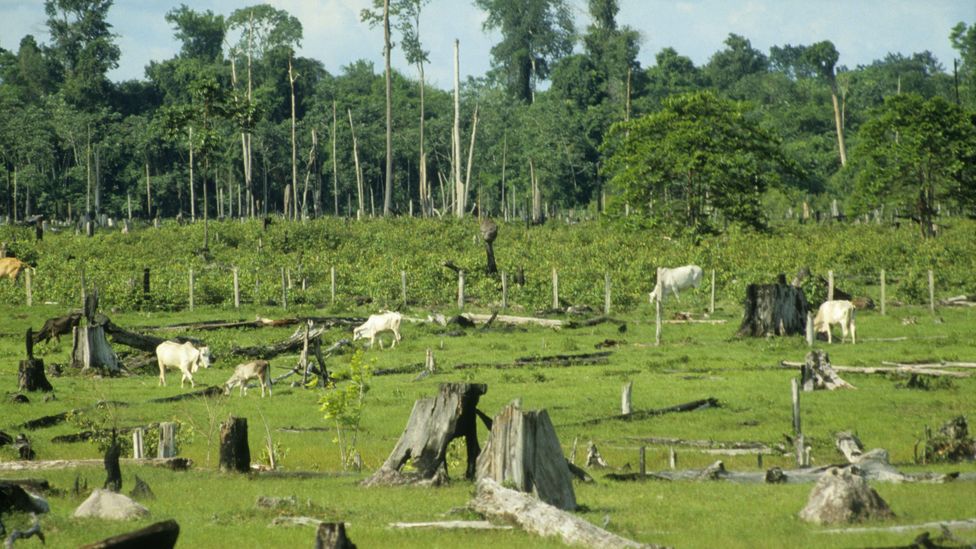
817, 373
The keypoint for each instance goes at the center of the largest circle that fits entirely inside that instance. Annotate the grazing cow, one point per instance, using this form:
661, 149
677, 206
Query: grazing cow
676, 279
56, 327
384, 322
836, 312
258, 369
10, 267
184, 356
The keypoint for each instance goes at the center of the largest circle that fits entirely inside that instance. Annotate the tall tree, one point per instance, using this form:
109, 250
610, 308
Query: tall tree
737, 61
535, 33
83, 45
963, 40
917, 152
612, 49
824, 56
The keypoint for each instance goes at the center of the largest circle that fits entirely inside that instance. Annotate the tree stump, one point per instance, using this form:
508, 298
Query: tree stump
774, 309
161, 535
89, 347
433, 424
235, 455
817, 374
489, 231
30, 373
523, 450
332, 535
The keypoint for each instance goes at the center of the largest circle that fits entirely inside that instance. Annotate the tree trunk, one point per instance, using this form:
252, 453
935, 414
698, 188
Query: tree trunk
332, 535
425, 204
838, 124
523, 450
467, 173
335, 164
359, 172
388, 189
235, 455
433, 424
113, 480
456, 135
294, 149
31, 376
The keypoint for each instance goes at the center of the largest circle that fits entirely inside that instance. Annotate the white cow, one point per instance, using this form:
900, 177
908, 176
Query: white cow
384, 322
836, 312
676, 279
184, 356
257, 369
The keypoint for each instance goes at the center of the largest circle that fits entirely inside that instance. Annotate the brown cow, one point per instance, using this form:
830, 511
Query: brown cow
56, 327
11, 266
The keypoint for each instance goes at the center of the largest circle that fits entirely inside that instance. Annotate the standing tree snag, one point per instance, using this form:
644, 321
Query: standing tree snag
489, 230
523, 450
89, 347
433, 424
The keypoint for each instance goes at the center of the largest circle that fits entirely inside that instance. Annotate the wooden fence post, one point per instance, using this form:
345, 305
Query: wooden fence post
504, 290
797, 429
830, 285
28, 286
672, 458
555, 289
625, 407
191, 289
138, 448
167, 440
237, 289
333, 284
145, 284
606, 293
932, 291
883, 303
403, 287
711, 301
284, 290
810, 334
460, 294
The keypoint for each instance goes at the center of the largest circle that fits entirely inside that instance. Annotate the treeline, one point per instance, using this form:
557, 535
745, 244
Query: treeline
236, 124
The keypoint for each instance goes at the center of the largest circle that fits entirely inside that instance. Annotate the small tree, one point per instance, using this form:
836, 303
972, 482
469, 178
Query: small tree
344, 407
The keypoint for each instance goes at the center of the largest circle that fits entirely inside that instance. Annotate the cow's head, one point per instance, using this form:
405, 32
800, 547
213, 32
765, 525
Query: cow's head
358, 333
204, 358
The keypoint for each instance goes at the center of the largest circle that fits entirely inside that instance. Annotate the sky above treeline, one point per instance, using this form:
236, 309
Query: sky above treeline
862, 30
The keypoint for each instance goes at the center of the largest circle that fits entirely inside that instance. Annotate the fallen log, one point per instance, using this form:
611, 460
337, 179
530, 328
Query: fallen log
884, 370
34, 530
259, 322
965, 524
294, 343
211, 391
582, 359
710, 402
173, 463
516, 320
513, 507
586, 323
451, 525
929, 364
162, 535
705, 444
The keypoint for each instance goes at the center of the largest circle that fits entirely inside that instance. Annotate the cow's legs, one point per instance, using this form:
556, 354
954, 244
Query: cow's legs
162, 374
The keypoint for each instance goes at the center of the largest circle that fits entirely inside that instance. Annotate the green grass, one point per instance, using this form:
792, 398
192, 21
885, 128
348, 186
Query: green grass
695, 361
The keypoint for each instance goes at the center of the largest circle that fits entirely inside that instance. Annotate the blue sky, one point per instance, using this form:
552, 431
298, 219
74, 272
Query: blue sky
862, 30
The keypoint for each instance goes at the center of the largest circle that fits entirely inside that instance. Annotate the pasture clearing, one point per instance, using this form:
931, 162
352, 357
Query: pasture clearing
696, 361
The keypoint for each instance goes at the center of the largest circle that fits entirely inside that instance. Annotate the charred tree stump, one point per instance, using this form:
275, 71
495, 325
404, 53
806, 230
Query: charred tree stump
433, 424
332, 535
489, 231
161, 535
774, 309
30, 373
523, 450
113, 479
235, 455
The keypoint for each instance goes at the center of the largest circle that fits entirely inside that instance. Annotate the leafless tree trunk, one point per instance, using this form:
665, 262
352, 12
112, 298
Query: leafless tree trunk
359, 173
335, 163
425, 200
388, 193
148, 193
456, 134
837, 122
467, 175
193, 211
294, 150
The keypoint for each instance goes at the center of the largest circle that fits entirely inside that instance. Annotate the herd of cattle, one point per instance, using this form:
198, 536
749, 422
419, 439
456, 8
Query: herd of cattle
188, 359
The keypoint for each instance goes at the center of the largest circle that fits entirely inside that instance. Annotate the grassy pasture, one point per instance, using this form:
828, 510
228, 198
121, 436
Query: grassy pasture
695, 361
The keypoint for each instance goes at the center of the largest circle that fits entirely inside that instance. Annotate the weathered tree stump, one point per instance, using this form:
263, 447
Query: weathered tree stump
842, 496
332, 535
89, 347
523, 450
817, 374
433, 424
235, 455
774, 309
161, 535
30, 373
489, 231
13, 498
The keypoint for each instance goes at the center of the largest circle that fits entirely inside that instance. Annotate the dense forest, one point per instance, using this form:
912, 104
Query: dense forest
236, 124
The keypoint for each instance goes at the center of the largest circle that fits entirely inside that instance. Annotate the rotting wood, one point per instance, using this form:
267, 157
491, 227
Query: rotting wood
293, 343
817, 373
34, 530
161, 535
433, 424
175, 464
964, 524
595, 321
929, 364
523, 450
451, 525
235, 454
516, 320
704, 444
504, 505
884, 370
773, 309
582, 359
710, 402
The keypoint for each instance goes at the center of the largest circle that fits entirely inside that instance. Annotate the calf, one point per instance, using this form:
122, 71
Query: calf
56, 327
258, 369
184, 356
385, 322
10, 267
676, 279
836, 312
